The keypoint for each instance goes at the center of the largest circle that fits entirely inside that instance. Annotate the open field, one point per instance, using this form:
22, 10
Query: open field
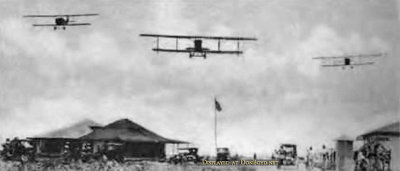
137, 166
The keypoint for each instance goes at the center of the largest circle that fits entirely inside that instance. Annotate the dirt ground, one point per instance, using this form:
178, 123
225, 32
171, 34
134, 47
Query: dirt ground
139, 166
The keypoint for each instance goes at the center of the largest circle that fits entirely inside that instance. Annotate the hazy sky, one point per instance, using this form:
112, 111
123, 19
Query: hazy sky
274, 93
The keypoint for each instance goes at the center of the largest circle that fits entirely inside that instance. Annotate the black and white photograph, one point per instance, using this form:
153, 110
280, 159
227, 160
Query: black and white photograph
199, 85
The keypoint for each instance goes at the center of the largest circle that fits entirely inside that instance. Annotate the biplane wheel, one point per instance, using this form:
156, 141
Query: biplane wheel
352, 67
54, 28
64, 28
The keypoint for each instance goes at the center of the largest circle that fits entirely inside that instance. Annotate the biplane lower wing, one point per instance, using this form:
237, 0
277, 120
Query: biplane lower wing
44, 25
225, 51
189, 51
340, 65
55, 25
79, 24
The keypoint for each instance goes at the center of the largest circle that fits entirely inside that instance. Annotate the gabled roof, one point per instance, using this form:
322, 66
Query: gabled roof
124, 124
344, 137
387, 130
126, 130
70, 132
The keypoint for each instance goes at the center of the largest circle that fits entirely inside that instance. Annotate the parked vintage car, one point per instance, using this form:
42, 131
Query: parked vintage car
186, 155
223, 154
287, 154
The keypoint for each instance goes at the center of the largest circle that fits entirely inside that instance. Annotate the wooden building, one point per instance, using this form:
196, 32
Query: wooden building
129, 140
55, 143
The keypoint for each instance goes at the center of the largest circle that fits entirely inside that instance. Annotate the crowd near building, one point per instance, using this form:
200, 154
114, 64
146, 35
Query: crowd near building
124, 140
119, 140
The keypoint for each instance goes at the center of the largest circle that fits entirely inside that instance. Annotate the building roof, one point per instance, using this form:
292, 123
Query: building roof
344, 137
126, 130
70, 132
390, 130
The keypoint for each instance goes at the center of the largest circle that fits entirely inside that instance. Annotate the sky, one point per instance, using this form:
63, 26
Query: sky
274, 93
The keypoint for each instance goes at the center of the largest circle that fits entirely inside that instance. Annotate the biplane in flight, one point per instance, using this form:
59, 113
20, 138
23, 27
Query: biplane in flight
198, 50
348, 60
62, 20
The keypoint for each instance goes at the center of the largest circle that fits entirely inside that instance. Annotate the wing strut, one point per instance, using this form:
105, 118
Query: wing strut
238, 43
219, 45
158, 42
176, 43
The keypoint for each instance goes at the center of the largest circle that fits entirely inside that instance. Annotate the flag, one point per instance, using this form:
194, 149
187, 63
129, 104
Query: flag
217, 106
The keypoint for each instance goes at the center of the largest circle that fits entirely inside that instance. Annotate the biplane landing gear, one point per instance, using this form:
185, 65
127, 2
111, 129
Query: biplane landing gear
55, 28
63, 27
352, 67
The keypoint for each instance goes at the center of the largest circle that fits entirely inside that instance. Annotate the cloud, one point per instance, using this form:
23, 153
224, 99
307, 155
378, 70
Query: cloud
17, 34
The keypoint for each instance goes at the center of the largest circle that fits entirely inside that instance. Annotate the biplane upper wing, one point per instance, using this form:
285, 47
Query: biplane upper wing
62, 15
81, 15
198, 37
42, 15
54, 25
351, 56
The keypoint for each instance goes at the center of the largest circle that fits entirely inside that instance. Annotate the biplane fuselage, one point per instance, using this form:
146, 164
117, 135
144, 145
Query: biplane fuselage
348, 62
198, 45
61, 21
197, 50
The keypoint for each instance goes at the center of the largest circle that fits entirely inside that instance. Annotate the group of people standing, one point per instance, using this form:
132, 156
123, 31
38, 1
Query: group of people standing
16, 149
373, 155
323, 158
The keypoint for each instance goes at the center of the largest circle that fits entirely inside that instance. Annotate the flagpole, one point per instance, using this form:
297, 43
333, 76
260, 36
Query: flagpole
215, 124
